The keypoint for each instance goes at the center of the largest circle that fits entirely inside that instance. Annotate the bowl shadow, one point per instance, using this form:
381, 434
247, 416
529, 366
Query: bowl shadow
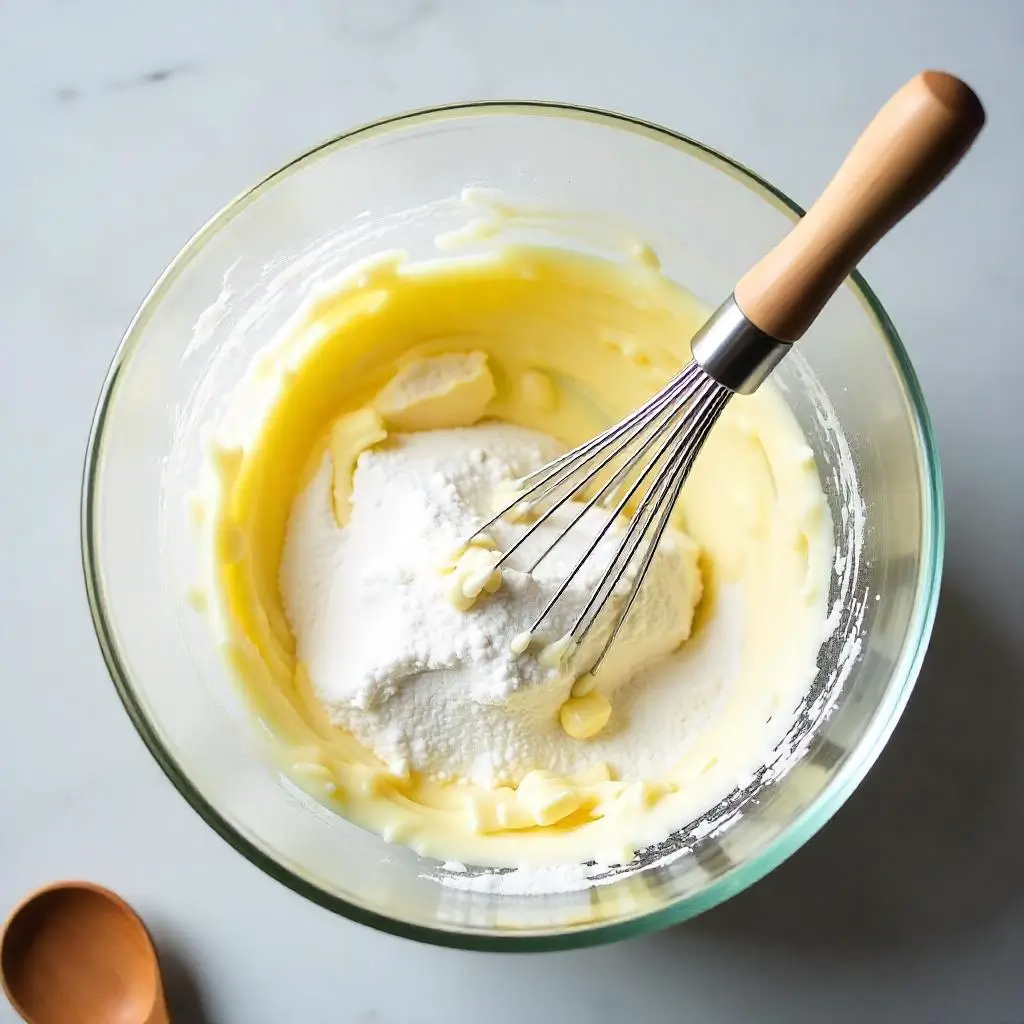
932, 840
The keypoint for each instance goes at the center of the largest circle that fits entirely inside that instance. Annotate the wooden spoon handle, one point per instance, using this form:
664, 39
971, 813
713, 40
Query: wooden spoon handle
914, 141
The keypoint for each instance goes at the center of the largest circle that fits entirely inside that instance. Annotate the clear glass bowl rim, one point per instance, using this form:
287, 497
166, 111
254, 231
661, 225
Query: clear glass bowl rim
802, 829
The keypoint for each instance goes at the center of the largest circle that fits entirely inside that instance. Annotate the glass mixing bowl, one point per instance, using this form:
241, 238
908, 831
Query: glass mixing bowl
395, 185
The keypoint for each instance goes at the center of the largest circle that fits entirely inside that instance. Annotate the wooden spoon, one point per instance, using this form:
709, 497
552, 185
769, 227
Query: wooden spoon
75, 953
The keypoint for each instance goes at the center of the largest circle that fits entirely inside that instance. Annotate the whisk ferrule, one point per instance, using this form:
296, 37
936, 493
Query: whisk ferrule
736, 353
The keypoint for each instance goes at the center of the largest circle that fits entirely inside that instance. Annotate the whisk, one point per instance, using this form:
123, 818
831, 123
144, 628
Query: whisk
642, 462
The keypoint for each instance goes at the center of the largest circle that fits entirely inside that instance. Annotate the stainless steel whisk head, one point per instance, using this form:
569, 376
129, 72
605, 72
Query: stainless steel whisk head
642, 462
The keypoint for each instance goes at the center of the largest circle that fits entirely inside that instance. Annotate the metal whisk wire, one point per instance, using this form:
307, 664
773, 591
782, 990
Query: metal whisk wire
659, 502
654, 446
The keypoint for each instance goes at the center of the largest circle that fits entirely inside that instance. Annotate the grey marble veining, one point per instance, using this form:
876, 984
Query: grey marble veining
126, 123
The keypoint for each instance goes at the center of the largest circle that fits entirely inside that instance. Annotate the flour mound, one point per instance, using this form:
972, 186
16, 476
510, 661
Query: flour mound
431, 688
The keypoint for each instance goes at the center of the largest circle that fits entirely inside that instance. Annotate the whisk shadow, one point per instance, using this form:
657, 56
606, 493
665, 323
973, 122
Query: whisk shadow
933, 839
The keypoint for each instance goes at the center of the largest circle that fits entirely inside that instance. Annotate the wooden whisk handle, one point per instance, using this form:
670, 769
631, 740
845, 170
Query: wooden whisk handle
914, 141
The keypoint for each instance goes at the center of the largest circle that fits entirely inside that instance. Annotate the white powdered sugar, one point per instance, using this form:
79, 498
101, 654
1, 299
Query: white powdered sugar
438, 690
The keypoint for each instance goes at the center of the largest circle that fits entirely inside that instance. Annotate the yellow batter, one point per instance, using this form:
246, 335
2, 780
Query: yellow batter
570, 344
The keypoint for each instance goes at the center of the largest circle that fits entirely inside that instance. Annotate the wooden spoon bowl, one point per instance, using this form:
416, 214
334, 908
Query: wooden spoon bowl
76, 953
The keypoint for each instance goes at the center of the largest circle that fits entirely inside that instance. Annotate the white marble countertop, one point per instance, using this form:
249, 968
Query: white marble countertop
127, 122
